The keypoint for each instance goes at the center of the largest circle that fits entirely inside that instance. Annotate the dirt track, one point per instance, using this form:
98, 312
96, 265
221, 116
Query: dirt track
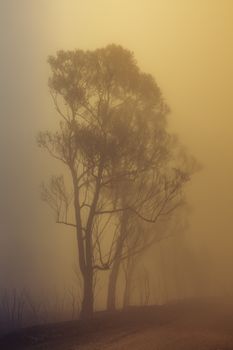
166, 338
174, 327
196, 332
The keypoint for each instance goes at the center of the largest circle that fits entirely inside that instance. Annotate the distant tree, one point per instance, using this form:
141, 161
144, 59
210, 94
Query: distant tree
161, 193
112, 132
143, 238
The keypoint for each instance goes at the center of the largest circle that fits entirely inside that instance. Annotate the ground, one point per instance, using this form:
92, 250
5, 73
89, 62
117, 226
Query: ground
189, 325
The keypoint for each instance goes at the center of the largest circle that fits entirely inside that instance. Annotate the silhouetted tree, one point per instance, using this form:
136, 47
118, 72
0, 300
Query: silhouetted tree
112, 131
161, 193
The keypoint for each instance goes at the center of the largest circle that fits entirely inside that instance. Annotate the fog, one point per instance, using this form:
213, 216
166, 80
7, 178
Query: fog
187, 47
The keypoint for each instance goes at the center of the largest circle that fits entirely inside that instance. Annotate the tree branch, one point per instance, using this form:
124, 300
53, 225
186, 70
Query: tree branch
66, 223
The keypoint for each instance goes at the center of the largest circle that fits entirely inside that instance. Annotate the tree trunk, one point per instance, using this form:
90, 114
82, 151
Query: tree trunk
88, 296
111, 297
128, 285
87, 273
85, 243
87, 308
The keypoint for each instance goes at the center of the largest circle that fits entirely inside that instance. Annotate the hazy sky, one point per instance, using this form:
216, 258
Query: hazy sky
186, 44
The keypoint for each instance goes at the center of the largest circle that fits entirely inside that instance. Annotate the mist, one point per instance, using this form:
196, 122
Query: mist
187, 47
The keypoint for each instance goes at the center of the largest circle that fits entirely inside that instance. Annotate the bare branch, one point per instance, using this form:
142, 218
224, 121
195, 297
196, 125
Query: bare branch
66, 223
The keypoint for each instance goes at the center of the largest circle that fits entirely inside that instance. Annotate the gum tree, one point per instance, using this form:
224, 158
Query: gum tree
112, 133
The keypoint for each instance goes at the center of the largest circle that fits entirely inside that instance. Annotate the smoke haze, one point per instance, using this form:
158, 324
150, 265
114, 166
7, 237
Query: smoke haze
187, 46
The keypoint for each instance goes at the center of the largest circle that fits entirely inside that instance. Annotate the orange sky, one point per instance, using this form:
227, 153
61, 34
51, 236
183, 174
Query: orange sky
186, 44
